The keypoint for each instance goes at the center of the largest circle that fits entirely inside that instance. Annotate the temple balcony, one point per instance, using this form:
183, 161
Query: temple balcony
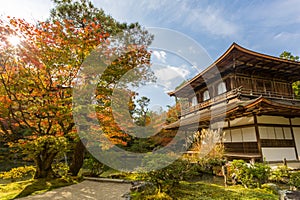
241, 93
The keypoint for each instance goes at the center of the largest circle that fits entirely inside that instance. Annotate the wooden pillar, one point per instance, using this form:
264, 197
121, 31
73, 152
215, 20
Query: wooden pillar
292, 131
257, 135
229, 128
232, 86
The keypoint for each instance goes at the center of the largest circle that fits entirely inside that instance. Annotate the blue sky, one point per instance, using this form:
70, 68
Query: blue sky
266, 26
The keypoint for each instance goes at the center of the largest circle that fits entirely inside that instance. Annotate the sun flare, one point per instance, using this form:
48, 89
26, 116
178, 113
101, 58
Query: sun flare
14, 40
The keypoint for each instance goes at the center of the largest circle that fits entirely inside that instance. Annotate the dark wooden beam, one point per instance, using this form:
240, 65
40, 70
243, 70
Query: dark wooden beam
257, 135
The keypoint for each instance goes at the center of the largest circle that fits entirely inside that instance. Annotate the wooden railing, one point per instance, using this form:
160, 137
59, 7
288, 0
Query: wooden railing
236, 92
269, 94
212, 101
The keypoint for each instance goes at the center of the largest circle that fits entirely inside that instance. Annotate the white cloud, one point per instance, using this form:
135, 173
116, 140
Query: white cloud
287, 36
201, 18
277, 13
286, 41
160, 55
170, 76
171, 72
209, 19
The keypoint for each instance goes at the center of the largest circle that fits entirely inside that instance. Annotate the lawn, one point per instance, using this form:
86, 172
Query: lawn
206, 191
201, 190
30, 187
206, 187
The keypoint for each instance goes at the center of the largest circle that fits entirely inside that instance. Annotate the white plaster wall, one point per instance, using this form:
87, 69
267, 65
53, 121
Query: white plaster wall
249, 134
296, 131
242, 121
275, 132
266, 132
227, 137
295, 121
272, 120
219, 125
236, 135
287, 133
279, 133
278, 154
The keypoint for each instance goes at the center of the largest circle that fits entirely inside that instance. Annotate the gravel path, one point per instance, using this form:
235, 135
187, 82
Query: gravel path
91, 190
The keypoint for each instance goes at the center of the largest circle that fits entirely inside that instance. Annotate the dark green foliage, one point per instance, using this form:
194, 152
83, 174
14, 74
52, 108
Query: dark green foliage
250, 175
83, 12
208, 191
169, 177
61, 169
289, 56
209, 164
295, 179
18, 172
142, 111
94, 166
140, 145
281, 174
296, 88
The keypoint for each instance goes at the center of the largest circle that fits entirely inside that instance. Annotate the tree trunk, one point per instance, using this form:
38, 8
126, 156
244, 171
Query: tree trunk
41, 172
78, 157
43, 166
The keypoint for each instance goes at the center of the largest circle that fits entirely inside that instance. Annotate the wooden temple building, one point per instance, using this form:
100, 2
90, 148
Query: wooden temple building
250, 94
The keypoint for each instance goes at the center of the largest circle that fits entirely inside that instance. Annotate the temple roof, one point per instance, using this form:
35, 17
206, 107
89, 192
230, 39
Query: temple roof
247, 61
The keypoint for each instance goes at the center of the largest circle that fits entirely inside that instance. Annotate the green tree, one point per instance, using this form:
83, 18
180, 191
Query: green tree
82, 13
173, 113
289, 56
142, 111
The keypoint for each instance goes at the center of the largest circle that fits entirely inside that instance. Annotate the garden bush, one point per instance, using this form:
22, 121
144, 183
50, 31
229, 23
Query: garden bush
61, 169
94, 166
295, 180
167, 178
18, 172
281, 174
250, 175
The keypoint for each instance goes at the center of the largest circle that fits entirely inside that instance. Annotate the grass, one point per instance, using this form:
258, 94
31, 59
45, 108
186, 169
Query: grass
31, 187
206, 188
207, 191
200, 190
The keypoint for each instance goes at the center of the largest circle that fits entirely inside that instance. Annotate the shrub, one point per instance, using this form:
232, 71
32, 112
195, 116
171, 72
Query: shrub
280, 174
261, 172
61, 169
167, 178
250, 175
94, 166
295, 179
18, 172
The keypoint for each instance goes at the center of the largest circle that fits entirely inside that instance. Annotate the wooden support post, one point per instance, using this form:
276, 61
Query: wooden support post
293, 136
257, 135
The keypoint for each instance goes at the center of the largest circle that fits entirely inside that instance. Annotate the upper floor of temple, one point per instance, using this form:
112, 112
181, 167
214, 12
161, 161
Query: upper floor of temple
240, 71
